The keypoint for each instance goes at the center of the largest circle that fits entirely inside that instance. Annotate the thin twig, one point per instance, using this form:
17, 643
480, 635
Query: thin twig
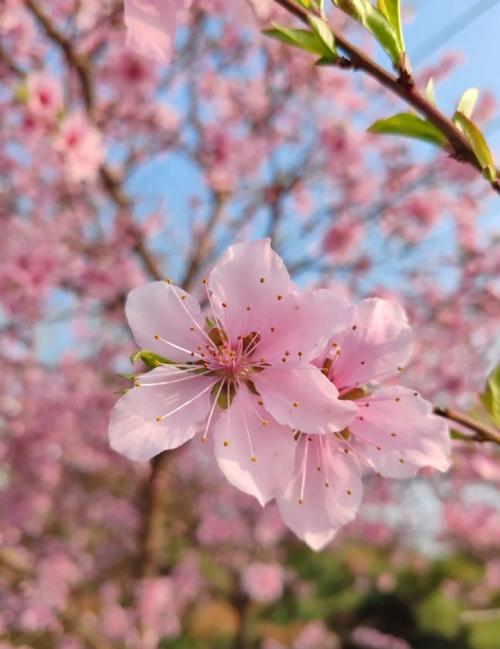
482, 432
461, 149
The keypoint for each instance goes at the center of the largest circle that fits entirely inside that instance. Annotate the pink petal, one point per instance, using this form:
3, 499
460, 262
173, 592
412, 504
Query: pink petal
375, 346
134, 430
236, 282
161, 309
239, 435
151, 27
398, 434
303, 323
303, 398
323, 509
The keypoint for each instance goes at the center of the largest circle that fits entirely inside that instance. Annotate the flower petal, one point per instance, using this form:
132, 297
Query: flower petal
320, 501
397, 433
247, 286
375, 346
303, 398
303, 324
160, 309
151, 27
134, 430
240, 436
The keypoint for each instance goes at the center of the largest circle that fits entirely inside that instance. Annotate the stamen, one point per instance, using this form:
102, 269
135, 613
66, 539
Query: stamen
249, 437
304, 472
196, 324
186, 403
211, 413
182, 349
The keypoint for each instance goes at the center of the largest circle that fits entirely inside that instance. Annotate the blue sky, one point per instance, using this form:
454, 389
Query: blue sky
479, 43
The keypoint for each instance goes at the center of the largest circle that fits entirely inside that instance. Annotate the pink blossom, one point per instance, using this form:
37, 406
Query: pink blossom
263, 582
315, 635
80, 147
45, 98
151, 26
157, 610
393, 432
242, 373
370, 638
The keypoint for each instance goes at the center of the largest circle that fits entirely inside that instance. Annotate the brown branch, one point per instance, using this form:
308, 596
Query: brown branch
461, 149
155, 514
482, 432
82, 66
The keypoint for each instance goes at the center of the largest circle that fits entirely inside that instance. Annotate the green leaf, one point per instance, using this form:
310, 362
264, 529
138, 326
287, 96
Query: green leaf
468, 101
375, 22
324, 33
149, 359
478, 144
491, 395
301, 38
430, 92
409, 125
392, 11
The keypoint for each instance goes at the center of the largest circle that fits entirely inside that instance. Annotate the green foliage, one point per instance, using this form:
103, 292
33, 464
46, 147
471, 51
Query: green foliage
491, 395
485, 635
324, 34
440, 613
150, 359
409, 125
317, 41
392, 11
479, 145
377, 23
468, 101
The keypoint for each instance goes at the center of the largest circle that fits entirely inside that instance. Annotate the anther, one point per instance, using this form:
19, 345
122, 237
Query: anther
273, 329
262, 280
349, 492
283, 360
295, 404
260, 402
158, 419
253, 459
354, 327
224, 305
327, 484
279, 297
264, 422
397, 399
393, 434
226, 442
156, 337
249, 308
401, 461
301, 502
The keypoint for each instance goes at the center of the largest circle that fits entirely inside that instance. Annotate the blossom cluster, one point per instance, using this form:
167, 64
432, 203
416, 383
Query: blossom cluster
287, 385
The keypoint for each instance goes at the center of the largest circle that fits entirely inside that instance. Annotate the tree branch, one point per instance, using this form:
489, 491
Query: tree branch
461, 149
82, 66
482, 432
